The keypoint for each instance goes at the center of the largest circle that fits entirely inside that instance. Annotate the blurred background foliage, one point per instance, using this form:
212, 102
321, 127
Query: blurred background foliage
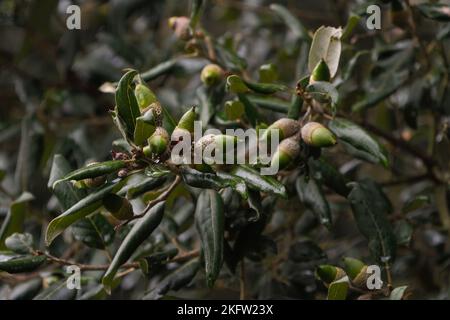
393, 81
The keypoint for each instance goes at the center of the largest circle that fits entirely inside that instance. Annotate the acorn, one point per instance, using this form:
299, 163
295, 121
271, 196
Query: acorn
93, 182
286, 127
158, 142
185, 126
328, 273
181, 28
144, 96
221, 143
118, 206
356, 271
287, 151
315, 134
321, 72
211, 74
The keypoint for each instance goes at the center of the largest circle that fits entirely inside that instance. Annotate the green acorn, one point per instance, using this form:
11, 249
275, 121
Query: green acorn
144, 96
321, 72
220, 143
181, 28
287, 151
158, 142
286, 127
356, 271
211, 74
118, 206
185, 125
328, 273
315, 134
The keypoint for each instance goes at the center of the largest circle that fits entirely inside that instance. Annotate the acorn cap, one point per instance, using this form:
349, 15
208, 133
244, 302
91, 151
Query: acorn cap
118, 206
144, 96
187, 120
353, 267
158, 141
315, 134
287, 151
328, 273
286, 127
211, 74
321, 72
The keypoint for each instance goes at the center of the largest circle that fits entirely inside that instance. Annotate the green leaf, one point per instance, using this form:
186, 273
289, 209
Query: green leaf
20, 243
352, 22
13, 263
145, 126
145, 185
398, 293
80, 210
416, 203
251, 112
436, 11
26, 290
370, 208
269, 103
259, 182
93, 170
338, 289
265, 88
156, 259
358, 142
403, 231
15, 218
95, 231
57, 291
326, 45
140, 231
209, 220
127, 106
235, 84
178, 279
296, 101
234, 110
196, 12
291, 21
329, 176
312, 197
324, 92
160, 69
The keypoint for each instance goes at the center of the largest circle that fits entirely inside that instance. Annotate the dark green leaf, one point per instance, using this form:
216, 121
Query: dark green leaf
95, 231
80, 210
127, 106
270, 103
312, 197
259, 182
160, 69
435, 11
291, 21
145, 185
265, 88
139, 233
370, 208
14, 263
329, 176
324, 92
356, 140
154, 260
15, 218
209, 220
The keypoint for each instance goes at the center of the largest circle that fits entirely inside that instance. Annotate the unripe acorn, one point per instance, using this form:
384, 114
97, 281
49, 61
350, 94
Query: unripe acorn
118, 206
93, 182
144, 96
158, 142
328, 273
315, 134
181, 28
321, 72
185, 126
356, 271
287, 151
286, 127
221, 143
211, 74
